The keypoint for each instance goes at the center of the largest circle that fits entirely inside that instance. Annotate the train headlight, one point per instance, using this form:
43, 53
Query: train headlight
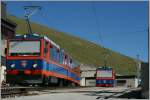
12, 65
34, 65
24, 36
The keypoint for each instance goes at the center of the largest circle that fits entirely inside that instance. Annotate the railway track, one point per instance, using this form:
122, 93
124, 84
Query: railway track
101, 93
14, 91
25, 91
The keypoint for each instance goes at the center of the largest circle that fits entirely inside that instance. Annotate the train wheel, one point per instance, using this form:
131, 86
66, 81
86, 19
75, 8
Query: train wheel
68, 84
76, 84
73, 84
49, 81
65, 82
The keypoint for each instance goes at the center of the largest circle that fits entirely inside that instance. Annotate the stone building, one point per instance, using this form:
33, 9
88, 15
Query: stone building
88, 78
88, 75
8, 29
129, 81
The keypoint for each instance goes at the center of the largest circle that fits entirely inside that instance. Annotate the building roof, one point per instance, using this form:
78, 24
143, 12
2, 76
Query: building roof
4, 15
125, 76
84, 67
9, 21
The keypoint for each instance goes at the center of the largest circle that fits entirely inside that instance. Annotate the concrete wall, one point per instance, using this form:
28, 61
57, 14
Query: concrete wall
121, 82
87, 75
90, 82
87, 81
132, 83
127, 82
82, 81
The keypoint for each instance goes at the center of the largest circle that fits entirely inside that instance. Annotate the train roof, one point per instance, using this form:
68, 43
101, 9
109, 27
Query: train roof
39, 36
46, 38
36, 36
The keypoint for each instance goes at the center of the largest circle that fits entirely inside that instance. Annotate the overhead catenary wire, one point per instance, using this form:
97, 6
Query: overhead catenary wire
106, 54
97, 24
46, 18
136, 32
29, 11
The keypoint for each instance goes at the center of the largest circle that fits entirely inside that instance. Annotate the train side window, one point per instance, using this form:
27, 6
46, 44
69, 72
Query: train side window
66, 59
61, 57
45, 48
54, 54
51, 52
68, 62
58, 55
71, 63
5, 52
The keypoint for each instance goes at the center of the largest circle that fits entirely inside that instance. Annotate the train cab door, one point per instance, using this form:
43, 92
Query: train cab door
46, 53
46, 50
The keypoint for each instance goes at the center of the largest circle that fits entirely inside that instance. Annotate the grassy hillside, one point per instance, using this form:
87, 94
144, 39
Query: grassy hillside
82, 50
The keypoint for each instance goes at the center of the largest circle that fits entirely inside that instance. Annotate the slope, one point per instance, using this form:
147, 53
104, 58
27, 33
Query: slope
82, 50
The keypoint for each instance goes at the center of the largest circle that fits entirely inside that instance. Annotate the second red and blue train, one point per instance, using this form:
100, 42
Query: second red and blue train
105, 77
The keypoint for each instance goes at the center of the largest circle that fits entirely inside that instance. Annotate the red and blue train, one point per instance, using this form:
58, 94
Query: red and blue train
36, 59
105, 77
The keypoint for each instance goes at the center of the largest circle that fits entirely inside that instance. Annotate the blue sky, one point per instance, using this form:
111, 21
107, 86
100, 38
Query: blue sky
122, 25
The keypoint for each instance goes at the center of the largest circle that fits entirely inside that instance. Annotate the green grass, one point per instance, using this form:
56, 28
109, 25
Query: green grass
81, 50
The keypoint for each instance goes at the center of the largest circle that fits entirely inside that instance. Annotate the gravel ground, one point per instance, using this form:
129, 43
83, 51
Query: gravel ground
56, 96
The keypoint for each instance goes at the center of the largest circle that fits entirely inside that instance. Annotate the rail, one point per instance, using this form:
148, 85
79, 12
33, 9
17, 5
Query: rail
23, 91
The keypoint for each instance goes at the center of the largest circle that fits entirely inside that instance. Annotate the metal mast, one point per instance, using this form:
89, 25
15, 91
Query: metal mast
29, 11
106, 55
138, 68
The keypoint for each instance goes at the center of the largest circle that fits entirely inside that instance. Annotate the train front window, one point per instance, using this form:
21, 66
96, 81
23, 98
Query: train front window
104, 73
24, 48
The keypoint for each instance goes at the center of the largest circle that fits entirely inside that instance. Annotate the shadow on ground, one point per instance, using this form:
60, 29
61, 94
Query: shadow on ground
132, 95
102, 94
108, 94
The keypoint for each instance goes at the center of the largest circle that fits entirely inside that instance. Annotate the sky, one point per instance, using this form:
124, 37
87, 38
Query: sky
121, 26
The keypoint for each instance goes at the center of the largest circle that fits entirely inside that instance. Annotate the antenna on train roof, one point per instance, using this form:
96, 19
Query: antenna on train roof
29, 11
